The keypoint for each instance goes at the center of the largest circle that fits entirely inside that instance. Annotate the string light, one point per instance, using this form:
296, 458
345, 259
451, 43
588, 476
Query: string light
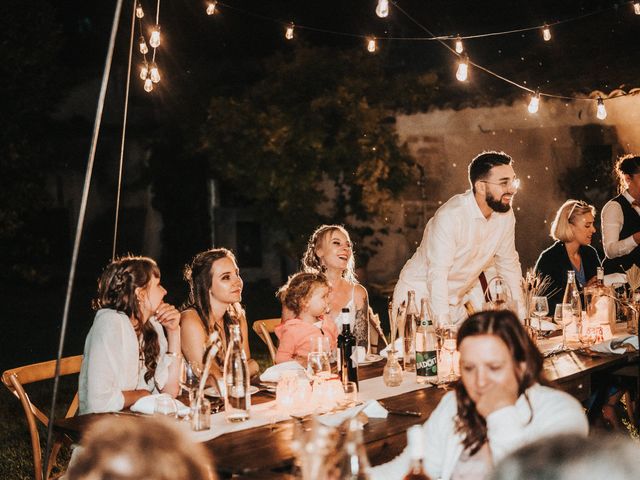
459, 46
601, 112
546, 33
211, 8
636, 8
139, 11
288, 34
143, 46
463, 68
154, 40
371, 45
144, 71
154, 73
148, 85
534, 103
382, 10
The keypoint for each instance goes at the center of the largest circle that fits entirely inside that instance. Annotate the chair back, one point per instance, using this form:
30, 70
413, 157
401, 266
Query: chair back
264, 329
15, 378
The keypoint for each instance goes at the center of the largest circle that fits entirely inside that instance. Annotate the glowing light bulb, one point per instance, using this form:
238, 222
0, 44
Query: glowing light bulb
546, 33
154, 73
288, 33
382, 10
139, 11
534, 103
144, 71
459, 46
148, 85
371, 45
211, 8
636, 8
154, 40
601, 112
143, 46
463, 68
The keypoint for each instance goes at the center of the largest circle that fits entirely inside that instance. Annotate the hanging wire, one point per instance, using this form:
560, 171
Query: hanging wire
81, 216
124, 133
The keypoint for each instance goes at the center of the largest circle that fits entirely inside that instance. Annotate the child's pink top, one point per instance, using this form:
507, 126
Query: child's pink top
294, 335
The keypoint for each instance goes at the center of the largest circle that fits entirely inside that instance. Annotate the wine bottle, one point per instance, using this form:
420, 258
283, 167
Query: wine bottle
347, 354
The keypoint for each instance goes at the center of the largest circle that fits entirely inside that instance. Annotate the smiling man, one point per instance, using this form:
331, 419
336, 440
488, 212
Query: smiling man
471, 232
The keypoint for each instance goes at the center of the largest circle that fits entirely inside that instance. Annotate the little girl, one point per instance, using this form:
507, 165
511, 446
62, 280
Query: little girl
306, 295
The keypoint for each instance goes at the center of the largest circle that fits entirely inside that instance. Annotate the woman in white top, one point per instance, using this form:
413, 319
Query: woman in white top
498, 405
126, 354
330, 251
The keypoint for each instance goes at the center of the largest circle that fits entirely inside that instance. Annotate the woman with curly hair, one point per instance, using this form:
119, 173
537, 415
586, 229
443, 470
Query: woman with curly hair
215, 293
499, 404
126, 354
330, 251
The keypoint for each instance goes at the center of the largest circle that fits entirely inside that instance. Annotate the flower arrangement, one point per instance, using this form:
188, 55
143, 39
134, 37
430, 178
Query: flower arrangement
535, 285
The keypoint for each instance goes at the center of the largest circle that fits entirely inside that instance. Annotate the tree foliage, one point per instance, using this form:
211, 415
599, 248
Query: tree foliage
312, 142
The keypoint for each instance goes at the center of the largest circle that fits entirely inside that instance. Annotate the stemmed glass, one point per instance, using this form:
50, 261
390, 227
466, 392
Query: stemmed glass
563, 316
190, 378
540, 309
449, 333
318, 365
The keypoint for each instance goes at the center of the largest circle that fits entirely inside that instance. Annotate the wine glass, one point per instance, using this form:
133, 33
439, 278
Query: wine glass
540, 309
165, 405
190, 378
449, 334
318, 364
563, 316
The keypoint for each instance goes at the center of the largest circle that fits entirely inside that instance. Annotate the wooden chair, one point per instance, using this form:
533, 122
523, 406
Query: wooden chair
15, 378
264, 329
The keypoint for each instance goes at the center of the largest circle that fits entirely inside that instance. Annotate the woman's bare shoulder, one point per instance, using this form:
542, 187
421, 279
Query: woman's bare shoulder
190, 319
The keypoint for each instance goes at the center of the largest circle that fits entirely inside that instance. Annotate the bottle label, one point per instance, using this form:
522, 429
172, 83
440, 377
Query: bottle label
427, 364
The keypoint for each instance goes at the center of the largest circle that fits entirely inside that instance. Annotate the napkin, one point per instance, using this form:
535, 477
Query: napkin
612, 278
616, 345
359, 353
272, 374
371, 409
545, 325
147, 405
398, 347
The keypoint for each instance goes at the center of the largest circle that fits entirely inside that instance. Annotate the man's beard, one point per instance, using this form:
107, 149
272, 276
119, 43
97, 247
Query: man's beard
496, 203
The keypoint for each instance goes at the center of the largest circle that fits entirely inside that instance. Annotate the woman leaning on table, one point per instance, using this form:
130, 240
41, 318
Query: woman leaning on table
499, 404
572, 229
215, 292
621, 218
126, 354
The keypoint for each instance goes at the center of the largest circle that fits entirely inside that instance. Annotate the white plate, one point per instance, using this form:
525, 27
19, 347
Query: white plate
213, 392
371, 358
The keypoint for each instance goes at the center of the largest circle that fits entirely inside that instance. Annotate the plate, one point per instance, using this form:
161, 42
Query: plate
213, 392
371, 358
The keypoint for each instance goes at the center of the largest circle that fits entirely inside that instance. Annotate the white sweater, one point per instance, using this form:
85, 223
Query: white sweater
111, 363
554, 412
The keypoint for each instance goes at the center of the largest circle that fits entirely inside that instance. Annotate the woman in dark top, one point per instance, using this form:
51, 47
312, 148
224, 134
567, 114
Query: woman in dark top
572, 230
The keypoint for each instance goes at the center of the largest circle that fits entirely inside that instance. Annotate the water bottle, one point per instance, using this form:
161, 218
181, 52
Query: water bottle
415, 446
237, 398
411, 318
426, 347
572, 297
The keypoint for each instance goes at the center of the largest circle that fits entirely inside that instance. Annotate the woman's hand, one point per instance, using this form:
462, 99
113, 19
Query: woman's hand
496, 397
168, 316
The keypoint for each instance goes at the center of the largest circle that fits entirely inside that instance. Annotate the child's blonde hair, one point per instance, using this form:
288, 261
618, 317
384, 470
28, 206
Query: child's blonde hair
299, 288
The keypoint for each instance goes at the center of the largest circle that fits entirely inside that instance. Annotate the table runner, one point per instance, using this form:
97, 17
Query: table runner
269, 413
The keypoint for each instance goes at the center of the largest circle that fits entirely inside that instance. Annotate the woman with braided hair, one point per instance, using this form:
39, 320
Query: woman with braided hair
126, 354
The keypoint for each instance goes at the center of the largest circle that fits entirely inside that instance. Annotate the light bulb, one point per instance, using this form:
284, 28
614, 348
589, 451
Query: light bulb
463, 69
534, 103
148, 85
139, 11
143, 46
601, 112
382, 10
288, 34
211, 8
546, 33
459, 46
371, 45
154, 41
636, 8
144, 71
154, 74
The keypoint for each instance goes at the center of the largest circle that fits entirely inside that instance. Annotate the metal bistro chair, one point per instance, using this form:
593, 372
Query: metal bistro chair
15, 378
264, 329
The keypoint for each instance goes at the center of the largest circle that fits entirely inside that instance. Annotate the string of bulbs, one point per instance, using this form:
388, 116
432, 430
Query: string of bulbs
149, 72
382, 10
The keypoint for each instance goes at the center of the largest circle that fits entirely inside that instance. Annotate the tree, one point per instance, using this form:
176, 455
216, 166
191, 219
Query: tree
312, 142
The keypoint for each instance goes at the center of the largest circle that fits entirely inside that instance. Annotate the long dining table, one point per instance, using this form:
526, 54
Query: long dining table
265, 452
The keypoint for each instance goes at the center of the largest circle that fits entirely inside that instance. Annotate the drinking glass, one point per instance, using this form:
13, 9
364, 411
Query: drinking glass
190, 378
318, 362
563, 316
449, 335
350, 393
165, 405
540, 309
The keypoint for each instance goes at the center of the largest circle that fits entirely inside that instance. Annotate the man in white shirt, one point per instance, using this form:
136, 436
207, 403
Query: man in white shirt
621, 218
469, 233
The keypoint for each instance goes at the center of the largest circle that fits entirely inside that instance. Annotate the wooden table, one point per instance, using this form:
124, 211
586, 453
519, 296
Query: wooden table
264, 452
